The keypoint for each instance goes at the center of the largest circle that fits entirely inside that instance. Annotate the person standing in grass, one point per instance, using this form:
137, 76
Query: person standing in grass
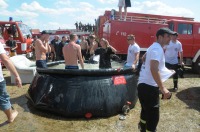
5, 104
152, 75
171, 57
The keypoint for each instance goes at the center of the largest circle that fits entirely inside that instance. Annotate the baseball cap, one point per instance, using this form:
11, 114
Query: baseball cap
164, 30
45, 32
175, 33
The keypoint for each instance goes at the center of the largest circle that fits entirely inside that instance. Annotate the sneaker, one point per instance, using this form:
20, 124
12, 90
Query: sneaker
142, 127
175, 89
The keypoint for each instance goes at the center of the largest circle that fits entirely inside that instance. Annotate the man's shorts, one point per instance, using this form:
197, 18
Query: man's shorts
121, 3
124, 3
41, 63
71, 67
84, 52
128, 3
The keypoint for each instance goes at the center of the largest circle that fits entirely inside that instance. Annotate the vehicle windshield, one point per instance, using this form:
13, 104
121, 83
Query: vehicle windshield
24, 29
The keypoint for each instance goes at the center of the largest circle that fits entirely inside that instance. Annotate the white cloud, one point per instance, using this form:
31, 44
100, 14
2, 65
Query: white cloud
36, 7
88, 13
19, 14
159, 8
85, 5
5, 13
3, 4
108, 1
33, 22
28, 14
61, 3
55, 25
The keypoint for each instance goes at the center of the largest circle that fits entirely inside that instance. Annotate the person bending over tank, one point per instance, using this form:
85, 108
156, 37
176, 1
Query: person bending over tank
104, 51
72, 53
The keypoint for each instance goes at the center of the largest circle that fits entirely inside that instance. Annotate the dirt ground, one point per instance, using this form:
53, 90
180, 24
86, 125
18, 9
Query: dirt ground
180, 114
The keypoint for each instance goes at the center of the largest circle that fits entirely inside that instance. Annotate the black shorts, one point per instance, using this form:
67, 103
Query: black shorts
84, 52
71, 67
128, 3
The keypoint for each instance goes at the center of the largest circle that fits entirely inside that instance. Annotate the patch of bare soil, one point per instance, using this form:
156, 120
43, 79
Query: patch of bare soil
179, 114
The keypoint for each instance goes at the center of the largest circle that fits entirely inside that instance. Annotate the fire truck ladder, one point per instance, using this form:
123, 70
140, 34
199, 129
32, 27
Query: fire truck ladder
146, 19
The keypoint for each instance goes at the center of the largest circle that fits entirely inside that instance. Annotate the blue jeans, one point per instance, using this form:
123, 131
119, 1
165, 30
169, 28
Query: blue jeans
4, 97
41, 63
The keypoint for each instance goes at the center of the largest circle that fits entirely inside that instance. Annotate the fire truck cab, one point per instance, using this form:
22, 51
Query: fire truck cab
144, 27
20, 31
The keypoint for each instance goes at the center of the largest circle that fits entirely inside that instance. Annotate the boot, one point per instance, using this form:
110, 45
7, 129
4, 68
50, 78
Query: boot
142, 127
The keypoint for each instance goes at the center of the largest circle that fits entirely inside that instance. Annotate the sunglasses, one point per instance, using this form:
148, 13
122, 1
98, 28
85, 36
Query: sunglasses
129, 39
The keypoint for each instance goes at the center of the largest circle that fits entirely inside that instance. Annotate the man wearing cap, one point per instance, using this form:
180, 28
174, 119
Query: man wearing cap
152, 75
13, 46
171, 57
41, 48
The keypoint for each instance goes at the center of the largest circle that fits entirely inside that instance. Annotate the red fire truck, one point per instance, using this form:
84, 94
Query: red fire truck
144, 27
20, 31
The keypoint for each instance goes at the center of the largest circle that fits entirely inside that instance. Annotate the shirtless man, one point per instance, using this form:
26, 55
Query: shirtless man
72, 53
84, 47
41, 48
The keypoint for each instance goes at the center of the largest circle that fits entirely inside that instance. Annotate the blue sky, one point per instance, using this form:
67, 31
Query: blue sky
55, 14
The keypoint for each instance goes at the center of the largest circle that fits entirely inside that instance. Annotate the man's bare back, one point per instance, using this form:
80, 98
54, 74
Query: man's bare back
72, 53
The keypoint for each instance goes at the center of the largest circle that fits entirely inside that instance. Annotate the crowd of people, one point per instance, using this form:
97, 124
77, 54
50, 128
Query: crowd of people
76, 48
84, 27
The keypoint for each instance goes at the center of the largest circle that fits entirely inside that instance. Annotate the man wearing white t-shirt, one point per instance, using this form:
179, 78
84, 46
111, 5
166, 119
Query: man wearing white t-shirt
152, 75
133, 52
171, 57
5, 104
